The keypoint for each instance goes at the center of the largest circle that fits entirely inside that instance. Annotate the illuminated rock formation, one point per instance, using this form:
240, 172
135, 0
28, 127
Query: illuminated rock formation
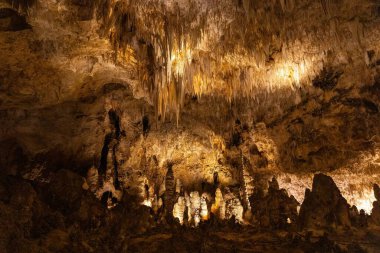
218, 207
195, 207
121, 117
204, 213
179, 209
233, 207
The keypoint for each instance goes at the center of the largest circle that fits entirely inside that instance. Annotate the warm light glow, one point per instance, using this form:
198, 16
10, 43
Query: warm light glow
364, 200
292, 73
179, 59
204, 210
147, 202
357, 191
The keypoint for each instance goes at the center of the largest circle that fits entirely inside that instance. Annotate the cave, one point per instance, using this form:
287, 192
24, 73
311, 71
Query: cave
189, 126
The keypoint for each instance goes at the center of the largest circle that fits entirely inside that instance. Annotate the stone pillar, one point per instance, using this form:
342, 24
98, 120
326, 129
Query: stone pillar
169, 192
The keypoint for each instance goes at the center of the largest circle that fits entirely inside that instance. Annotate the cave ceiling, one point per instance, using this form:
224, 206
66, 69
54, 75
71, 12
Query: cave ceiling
290, 85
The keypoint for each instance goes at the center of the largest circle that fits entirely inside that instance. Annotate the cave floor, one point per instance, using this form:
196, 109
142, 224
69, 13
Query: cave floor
251, 240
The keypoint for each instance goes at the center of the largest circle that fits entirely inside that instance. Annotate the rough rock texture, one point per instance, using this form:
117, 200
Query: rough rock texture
376, 206
230, 93
52, 218
61, 79
324, 205
275, 209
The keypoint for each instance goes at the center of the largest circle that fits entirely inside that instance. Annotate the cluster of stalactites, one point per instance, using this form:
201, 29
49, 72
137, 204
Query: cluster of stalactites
162, 40
232, 48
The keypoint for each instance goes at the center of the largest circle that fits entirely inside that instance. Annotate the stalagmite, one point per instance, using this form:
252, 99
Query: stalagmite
247, 184
169, 191
376, 206
204, 210
218, 207
234, 209
324, 200
179, 209
195, 206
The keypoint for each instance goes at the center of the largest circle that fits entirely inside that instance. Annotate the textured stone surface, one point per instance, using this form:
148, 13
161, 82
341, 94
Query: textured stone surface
245, 90
376, 206
324, 205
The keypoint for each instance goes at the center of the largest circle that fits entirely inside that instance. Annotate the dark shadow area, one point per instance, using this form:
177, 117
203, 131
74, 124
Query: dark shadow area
11, 20
104, 154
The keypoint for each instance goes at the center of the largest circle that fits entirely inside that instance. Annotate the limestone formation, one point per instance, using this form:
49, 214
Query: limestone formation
195, 207
179, 209
324, 205
204, 213
275, 209
189, 126
169, 191
375, 216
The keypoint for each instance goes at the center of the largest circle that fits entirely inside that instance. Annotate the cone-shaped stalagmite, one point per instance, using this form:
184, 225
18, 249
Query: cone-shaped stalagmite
375, 216
324, 206
169, 192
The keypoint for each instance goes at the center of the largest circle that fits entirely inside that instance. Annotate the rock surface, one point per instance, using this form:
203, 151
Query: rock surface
230, 93
376, 206
324, 205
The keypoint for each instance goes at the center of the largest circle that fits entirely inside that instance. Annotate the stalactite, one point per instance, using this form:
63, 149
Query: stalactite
175, 56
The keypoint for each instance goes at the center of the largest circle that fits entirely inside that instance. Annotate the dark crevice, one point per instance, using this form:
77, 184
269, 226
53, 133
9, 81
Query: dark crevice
369, 106
327, 79
115, 166
110, 144
111, 87
16, 21
115, 121
104, 154
105, 197
146, 125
